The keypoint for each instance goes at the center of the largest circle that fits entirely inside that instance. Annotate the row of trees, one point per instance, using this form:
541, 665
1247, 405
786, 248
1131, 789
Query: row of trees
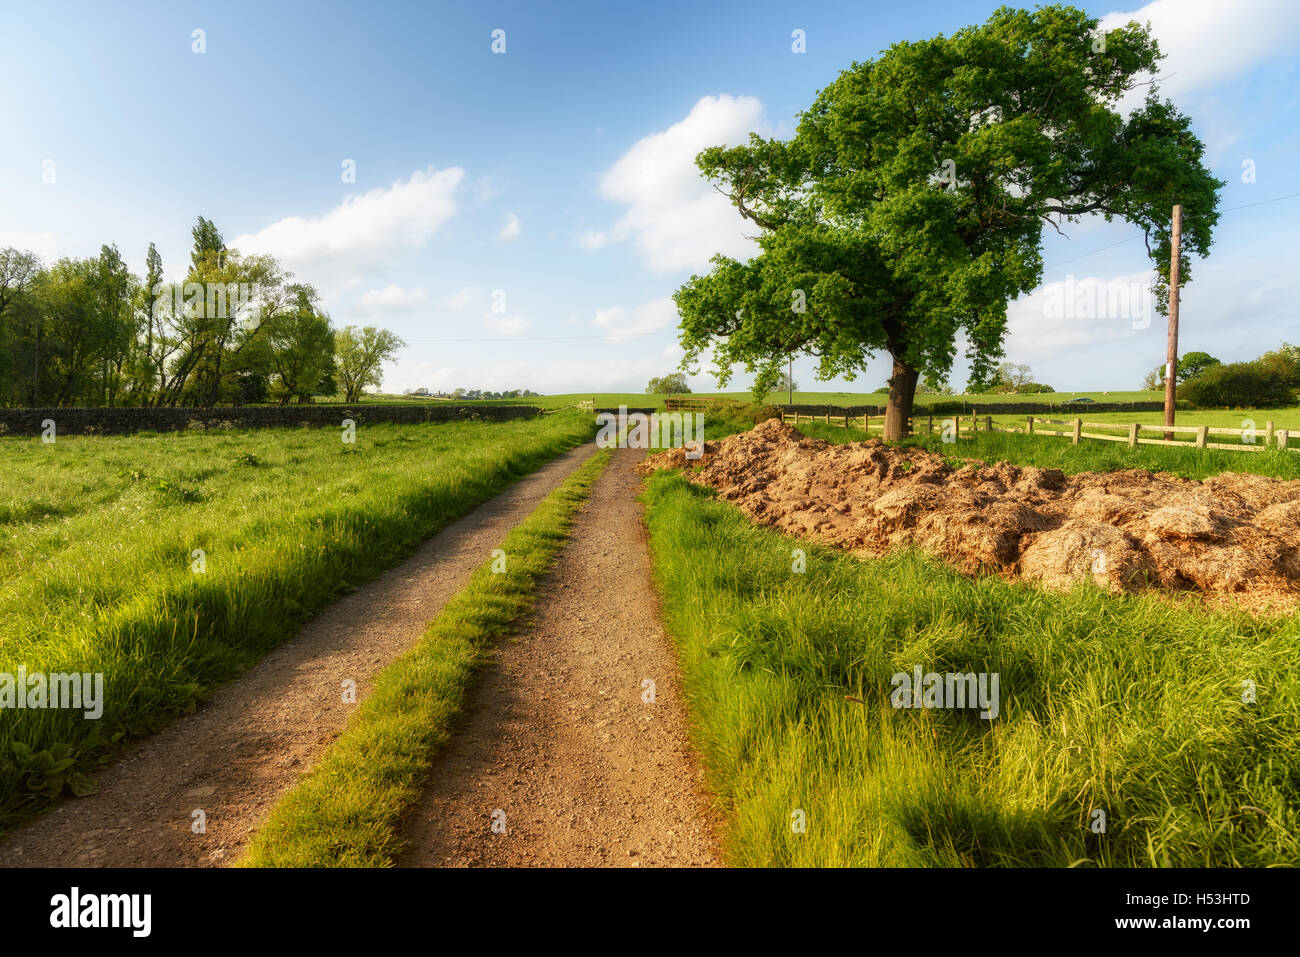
236, 330
488, 394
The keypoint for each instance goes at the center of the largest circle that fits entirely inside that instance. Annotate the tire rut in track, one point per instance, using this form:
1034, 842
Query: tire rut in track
556, 733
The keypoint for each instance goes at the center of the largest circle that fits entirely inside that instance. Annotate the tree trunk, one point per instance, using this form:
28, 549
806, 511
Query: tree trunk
902, 390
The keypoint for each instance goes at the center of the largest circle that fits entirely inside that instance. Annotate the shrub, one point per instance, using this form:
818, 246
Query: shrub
1262, 383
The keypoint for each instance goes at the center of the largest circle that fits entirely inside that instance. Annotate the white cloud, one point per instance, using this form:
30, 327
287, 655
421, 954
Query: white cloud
651, 317
678, 219
1207, 42
511, 229
506, 325
1079, 311
463, 297
43, 244
392, 297
592, 240
363, 229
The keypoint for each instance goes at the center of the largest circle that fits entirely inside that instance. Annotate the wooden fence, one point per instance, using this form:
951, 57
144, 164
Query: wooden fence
687, 405
1269, 434
972, 423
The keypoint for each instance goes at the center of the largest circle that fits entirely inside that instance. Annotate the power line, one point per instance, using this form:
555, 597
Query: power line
1262, 202
1230, 209
615, 335
635, 335
1093, 253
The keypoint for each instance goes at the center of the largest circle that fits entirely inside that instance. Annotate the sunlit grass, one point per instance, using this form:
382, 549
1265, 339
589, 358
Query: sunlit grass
98, 553
1127, 705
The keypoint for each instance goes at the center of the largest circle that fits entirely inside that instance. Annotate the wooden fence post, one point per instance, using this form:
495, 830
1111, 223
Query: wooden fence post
846, 421
1201, 434
1078, 427
1029, 425
1133, 435
930, 424
1268, 433
1282, 437
988, 423
828, 415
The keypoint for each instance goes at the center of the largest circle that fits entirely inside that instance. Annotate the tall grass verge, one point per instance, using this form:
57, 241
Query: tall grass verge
1128, 706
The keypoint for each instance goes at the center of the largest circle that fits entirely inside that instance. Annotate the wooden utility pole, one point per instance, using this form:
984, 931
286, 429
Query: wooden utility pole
1171, 354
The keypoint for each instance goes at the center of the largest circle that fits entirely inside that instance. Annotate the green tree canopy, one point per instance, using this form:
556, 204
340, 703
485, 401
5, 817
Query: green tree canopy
909, 207
301, 342
1193, 364
359, 358
671, 384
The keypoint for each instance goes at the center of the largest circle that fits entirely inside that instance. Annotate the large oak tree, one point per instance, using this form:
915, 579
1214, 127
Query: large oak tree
910, 205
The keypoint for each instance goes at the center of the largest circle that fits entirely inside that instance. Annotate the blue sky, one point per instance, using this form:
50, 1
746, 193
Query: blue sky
558, 174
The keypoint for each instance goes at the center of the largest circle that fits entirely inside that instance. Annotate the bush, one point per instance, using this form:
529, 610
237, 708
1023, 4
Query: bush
1262, 384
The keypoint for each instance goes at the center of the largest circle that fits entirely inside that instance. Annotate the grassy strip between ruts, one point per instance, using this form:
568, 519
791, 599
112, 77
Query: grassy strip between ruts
1182, 727
347, 812
170, 563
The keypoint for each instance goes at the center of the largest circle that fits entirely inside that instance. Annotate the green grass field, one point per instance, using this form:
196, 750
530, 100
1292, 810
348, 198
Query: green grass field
98, 573
1129, 706
1282, 418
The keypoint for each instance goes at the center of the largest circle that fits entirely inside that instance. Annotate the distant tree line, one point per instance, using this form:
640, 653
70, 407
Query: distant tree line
237, 330
488, 394
426, 393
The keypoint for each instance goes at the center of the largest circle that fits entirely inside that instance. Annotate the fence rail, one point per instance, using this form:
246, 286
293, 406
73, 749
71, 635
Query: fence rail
1271, 436
687, 405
